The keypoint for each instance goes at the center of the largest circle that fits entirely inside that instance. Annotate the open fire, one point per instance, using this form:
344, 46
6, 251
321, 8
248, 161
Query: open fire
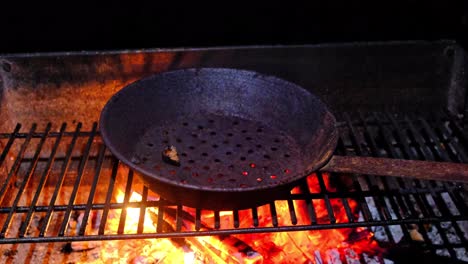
324, 246
105, 207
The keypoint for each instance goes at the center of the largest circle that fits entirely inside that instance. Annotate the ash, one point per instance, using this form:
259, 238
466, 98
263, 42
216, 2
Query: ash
439, 235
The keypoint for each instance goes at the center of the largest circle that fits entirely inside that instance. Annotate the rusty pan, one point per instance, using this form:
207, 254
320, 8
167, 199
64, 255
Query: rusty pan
239, 138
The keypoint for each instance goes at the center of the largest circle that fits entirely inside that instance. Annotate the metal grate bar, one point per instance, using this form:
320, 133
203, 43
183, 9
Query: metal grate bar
331, 215
217, 220
407, 204
417, 139
446, 241
64, 170
110, 190
426, 156
123, 214
455, 152
454, 194
141, 220
434, 142
460, 133
420, 200
255, 217
387, 182
436, 196
41, 134
11, 139
348, 212
17, 163
92, 192
235, 217
80, 207
274, 214
41, 183
159, 224
292, 212
197, 219
221, 232
406, 152
362, 204
401, 138
24, 183
370, 180
179, 218
117, 205
391, 150
378, 197
309, 204
77, 181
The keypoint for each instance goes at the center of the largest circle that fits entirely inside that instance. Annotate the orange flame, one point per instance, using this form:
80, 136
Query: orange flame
140, 251
283, 247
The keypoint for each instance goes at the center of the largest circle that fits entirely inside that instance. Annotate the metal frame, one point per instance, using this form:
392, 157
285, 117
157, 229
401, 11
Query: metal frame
399, 201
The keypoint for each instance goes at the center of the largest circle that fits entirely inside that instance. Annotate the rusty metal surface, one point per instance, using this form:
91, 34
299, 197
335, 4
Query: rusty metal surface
425, 170
398, 76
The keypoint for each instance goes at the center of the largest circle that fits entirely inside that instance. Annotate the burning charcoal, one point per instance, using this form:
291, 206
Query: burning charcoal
372, 259
415, 235
74, 226
166, 227
333, 256
351, 256
79, 221
427, 226
238, 248
415, 253
79, 246
35, 223
67, 249
95, 219
244, 250
170, 156
359, 235
10, 252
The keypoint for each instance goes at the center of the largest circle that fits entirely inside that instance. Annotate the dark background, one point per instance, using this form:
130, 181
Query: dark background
41, 27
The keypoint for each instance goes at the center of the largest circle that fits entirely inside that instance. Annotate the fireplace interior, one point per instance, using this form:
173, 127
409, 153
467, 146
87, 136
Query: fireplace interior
65, 198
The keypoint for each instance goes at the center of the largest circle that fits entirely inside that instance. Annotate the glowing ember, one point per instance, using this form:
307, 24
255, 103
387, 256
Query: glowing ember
133, 214
302, 247
276, 247
140, 250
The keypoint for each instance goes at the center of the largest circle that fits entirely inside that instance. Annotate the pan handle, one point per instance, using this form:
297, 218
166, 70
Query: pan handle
425, 170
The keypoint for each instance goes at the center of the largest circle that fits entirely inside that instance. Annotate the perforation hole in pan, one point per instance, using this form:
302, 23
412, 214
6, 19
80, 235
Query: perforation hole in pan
221, 152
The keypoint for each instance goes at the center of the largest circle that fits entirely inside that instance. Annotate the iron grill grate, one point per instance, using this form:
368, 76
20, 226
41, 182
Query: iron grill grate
52, 177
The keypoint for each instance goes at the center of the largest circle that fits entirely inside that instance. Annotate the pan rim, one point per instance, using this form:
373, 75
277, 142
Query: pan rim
153, 176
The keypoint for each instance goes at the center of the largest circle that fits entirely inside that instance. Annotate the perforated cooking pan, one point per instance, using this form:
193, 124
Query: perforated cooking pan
242, 138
